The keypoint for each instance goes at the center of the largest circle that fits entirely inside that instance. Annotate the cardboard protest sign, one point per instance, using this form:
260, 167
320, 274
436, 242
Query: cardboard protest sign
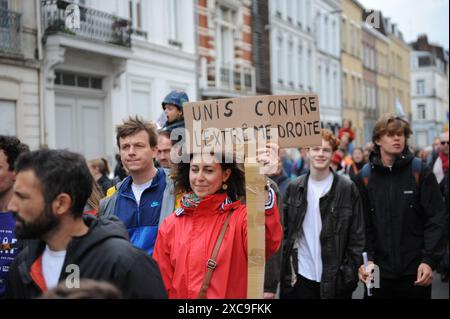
254, 194
294, 118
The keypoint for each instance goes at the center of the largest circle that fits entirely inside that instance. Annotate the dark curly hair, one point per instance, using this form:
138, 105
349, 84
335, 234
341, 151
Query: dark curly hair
12, 147
59, 171
236, 181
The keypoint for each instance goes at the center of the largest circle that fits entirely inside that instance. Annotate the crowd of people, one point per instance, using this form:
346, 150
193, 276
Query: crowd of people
163, 230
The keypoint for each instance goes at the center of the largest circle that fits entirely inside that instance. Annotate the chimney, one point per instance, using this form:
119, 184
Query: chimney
422, 43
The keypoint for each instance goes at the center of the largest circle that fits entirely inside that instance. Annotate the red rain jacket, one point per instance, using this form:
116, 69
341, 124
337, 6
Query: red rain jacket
187, 238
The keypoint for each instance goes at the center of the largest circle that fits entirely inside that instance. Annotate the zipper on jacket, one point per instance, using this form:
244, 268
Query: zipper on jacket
391, 226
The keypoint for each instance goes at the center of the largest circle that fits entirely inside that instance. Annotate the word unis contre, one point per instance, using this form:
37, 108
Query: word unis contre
297, 106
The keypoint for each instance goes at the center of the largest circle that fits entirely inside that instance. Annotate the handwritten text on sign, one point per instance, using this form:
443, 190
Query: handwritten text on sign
295, 118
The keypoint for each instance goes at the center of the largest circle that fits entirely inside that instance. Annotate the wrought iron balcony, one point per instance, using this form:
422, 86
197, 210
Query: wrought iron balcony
10, 32
234, 78
94, 25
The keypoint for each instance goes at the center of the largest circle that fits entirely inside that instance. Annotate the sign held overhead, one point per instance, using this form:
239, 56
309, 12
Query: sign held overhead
289, 120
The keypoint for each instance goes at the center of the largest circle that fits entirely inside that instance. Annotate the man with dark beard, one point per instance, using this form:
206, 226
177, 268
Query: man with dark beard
50, 192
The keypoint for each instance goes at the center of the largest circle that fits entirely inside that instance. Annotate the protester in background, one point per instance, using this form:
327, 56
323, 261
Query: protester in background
439, 164
186, 239
346, 135
93, 202
280, 177
324, 230
404, 214
100, 170
119, 171
278, 182
301, 166
367, 150
336, 161
50, 192
173, 108
286, 162
436, 144
358, 163
10, 149
164, 147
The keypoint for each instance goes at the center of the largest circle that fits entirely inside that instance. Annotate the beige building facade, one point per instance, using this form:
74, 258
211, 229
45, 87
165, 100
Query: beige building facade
399, 71
352, 67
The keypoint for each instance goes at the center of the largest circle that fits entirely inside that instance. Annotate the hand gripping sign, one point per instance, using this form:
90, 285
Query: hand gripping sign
242, 126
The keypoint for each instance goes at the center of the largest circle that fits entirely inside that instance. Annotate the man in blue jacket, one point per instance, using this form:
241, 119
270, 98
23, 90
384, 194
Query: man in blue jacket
145, 197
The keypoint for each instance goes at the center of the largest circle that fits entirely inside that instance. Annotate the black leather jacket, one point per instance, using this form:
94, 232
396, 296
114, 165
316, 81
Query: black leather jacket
342, 236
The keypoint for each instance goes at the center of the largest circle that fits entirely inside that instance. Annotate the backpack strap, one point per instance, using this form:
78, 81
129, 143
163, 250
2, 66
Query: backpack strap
365, 173
416, 169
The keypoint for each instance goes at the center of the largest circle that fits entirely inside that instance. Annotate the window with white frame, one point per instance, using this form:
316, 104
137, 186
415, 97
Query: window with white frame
335, 88
358, 41
334, 38
300, 13
141, 99
280, 72
174, 18
326, 30
4, 4
421, 112
278, 8
290, 60
422, 138
318, 28
319, 81
308, 15
225, 42
327, 87
135, 13
344, 34
310, 69
358, 92
290, 10
344, 88
8, 117
372, 58
300, 66
374, 97
352, 39
420, 86
353, 91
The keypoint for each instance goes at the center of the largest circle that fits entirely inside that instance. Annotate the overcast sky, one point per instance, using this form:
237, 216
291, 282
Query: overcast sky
415, 17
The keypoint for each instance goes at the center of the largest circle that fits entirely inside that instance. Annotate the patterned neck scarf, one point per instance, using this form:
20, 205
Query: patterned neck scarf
190, 200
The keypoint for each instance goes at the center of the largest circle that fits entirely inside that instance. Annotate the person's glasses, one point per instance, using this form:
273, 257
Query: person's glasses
444, 142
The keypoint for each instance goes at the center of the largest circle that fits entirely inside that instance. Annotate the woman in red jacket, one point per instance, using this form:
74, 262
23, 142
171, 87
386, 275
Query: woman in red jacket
186, 239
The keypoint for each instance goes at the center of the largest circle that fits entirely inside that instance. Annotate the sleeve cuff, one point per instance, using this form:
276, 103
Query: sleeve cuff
271, 201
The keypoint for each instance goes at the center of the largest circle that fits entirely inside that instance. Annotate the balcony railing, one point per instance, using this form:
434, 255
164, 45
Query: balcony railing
10, 32
94, 25
234, 78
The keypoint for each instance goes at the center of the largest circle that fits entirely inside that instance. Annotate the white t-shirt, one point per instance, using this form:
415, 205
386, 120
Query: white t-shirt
139, 189
309, 252
52, 262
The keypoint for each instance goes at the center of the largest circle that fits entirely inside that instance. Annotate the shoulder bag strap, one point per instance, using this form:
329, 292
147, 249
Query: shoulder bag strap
211, 263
